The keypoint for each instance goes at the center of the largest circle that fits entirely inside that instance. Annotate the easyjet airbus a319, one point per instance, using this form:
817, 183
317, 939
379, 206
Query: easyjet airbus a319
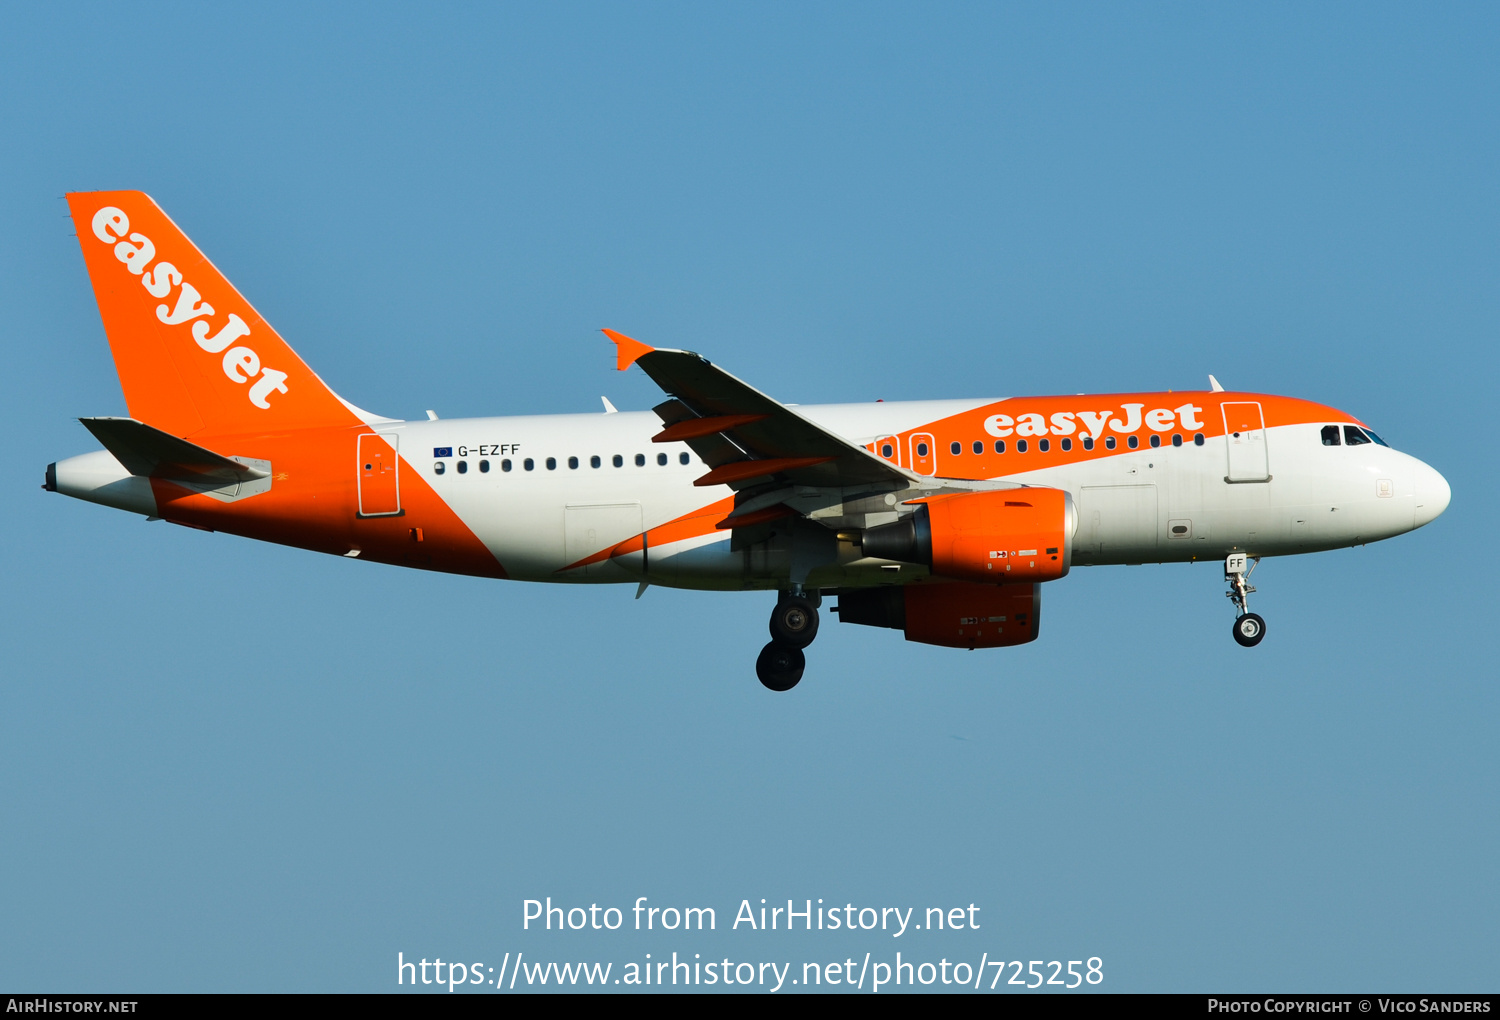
942, 519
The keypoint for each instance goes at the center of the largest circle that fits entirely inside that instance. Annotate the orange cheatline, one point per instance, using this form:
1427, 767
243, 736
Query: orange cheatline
694, 428
693, 524
739, 470
770, 513
626, 349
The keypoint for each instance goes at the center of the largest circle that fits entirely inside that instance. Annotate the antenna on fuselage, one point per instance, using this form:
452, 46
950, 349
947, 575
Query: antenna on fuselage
1213, 384
608, 407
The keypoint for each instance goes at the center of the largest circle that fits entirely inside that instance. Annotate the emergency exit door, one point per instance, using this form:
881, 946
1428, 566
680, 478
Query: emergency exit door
1245, 434
923, 453
379, 476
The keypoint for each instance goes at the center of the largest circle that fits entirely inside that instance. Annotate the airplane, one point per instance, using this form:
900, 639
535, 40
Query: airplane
940, 518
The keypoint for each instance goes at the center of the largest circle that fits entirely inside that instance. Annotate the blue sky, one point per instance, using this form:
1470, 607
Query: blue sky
228, 766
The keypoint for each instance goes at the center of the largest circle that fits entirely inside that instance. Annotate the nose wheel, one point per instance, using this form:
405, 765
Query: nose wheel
1249, 628
794, 624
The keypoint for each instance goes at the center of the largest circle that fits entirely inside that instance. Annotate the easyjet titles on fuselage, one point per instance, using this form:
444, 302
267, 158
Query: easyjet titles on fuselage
1066, 423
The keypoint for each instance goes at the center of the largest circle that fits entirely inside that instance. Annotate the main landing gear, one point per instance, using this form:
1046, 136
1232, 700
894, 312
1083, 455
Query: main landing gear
1249, 628
794, 624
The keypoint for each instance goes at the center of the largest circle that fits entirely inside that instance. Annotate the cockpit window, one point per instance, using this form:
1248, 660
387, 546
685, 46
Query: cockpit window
1354, 437
1377, 439
1330, 435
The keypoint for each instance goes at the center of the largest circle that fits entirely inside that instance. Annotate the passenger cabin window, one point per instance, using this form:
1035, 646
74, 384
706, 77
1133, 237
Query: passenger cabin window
439, 468
1176, 439
1155, 442
886, 451
921, 449
1109, 442
1354, 437
978, 447
573, 463
1132, 442
528, 464
484, 467
551, 463
1330, 435
955, 448
683, 458
640, 460
1088, 442
1020, 446
463, 467
594, 461
999, 446
1197, 438
617, 460
505, 465
1043, 445
661, 458
1067, 444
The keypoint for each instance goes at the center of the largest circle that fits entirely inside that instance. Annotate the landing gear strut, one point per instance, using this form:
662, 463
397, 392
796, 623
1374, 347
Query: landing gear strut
794, 624
1249, 628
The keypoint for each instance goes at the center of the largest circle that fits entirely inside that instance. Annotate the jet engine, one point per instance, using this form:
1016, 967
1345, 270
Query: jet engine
1004, 535
955, 615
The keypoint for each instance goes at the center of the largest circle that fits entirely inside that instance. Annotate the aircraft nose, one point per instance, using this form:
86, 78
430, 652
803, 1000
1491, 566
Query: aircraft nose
1432, 494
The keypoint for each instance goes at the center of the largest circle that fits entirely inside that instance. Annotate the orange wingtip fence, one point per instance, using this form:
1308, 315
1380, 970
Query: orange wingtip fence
626, 349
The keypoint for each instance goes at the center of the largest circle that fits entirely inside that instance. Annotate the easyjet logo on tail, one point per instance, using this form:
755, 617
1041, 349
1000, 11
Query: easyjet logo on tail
240, 363
1093, 423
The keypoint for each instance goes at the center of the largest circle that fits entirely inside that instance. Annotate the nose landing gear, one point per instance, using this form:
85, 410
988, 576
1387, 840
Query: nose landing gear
1249, 628
794, 624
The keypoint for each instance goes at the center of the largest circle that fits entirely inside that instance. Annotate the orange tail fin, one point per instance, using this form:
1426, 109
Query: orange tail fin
192, 354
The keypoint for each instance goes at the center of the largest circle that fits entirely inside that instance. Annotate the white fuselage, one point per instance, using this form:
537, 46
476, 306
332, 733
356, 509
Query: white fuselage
1146, 505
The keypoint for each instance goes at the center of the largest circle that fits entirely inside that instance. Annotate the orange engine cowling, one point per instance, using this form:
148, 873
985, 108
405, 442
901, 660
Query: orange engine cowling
956, 614
1005, 535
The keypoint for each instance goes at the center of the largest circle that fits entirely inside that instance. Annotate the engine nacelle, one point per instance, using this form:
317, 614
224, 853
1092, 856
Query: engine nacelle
955, 615
1005, 535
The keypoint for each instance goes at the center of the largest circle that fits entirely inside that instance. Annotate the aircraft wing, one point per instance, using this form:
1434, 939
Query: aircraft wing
747, 438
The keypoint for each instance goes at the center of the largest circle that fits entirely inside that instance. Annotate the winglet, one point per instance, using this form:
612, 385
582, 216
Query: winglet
626, 349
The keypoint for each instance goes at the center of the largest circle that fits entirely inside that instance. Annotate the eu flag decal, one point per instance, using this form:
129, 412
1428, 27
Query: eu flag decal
442, 451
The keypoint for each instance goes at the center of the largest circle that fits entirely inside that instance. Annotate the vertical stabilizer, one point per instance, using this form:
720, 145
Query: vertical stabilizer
193, 356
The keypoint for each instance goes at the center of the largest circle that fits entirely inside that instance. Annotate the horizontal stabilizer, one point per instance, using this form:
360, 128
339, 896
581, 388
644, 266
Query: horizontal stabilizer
151, 453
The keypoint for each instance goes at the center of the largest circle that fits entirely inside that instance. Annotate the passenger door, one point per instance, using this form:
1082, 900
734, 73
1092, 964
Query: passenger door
1245, 436
379, 476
